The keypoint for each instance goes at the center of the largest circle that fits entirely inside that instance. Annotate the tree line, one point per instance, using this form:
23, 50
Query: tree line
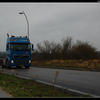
64, 50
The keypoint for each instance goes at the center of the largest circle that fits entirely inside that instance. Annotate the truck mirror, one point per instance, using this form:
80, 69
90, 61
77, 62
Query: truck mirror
32, 47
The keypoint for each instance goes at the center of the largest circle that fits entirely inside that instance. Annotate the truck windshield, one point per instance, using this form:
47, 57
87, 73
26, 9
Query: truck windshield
20, 46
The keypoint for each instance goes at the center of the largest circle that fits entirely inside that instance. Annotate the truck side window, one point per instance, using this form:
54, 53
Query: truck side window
29, 46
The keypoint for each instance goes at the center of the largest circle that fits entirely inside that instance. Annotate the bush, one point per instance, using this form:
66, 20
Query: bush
64, 50
82, 50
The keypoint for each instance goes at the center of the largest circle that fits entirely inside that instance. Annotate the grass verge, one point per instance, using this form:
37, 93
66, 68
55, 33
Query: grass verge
28, 88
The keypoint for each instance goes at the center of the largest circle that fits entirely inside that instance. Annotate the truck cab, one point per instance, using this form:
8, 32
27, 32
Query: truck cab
18, 51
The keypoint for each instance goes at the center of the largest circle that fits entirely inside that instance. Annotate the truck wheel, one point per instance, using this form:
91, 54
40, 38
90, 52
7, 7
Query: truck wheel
7, 65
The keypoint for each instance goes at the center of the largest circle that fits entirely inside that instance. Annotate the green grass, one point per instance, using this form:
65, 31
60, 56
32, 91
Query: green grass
29, 88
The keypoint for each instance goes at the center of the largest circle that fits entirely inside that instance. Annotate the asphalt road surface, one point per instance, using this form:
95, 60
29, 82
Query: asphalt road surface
85, 81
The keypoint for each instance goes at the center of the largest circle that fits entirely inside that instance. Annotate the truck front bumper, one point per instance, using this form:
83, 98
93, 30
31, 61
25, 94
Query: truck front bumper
20, 63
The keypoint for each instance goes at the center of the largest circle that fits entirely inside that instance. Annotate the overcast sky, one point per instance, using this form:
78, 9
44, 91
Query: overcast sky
51, 21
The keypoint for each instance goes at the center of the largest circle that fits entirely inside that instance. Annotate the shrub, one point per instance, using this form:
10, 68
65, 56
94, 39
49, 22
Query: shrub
65, 50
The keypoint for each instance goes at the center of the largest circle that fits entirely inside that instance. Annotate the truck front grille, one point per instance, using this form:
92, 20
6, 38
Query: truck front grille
21, 56
21, 62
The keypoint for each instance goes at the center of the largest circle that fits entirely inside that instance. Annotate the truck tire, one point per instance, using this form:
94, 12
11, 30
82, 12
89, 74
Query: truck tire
7, 65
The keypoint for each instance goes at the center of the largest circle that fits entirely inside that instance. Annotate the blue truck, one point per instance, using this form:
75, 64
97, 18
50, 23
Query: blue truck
18, 52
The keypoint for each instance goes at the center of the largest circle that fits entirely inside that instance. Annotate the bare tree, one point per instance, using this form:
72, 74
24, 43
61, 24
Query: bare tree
66, 49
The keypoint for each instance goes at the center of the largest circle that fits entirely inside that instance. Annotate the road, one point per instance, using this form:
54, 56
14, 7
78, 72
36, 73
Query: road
85, 81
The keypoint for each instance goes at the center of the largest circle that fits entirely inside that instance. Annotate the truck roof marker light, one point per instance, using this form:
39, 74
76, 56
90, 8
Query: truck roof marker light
12, 36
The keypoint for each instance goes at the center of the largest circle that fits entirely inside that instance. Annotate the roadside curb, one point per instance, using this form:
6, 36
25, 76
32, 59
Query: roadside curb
68, 90
65, 89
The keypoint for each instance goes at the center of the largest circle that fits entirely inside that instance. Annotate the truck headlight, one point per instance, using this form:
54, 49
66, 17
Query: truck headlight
12, 61
29, 61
